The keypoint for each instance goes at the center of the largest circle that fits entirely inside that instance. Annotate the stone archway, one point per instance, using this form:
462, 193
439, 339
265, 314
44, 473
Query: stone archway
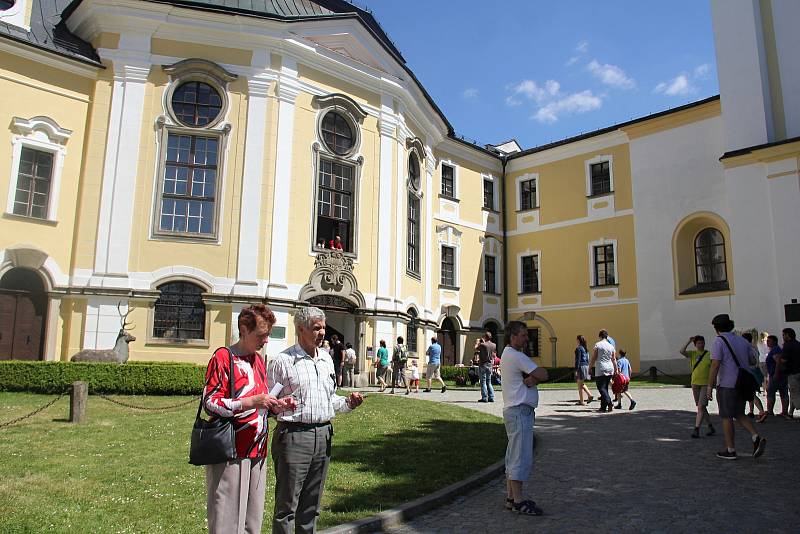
535, 319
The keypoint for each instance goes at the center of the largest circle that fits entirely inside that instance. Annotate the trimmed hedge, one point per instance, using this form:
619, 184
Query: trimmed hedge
139, 378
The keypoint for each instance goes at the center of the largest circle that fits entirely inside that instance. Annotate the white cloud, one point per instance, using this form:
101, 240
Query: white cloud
531, 90
582, 47
470, 93
570, 104
611, 75
678, 86
571, 61
702, 71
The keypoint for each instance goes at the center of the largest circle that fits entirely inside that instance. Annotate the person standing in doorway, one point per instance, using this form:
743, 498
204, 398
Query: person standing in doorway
337, 353
521, 375
486, 353
729, 353
433, 371
700, 360
349, 365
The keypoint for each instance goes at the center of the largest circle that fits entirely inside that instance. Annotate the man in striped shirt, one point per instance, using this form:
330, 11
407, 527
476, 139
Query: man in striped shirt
301, 444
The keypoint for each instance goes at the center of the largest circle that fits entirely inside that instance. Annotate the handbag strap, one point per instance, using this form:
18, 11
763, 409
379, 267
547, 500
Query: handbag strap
230, 382
733, 354
700, 359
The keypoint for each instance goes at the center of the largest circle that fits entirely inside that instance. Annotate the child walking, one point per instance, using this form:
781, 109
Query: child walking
624, 369
414, 376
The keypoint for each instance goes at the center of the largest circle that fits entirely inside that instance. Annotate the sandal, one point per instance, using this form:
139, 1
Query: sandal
762, 417
509, 504
527, 508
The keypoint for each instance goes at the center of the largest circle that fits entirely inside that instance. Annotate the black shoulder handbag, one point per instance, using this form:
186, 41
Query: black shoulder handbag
746, 384
213, 442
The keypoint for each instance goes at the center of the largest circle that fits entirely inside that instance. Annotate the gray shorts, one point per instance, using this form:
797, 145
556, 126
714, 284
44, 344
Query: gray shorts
730, 403
519, 422
433, 372
583, 372
700, 395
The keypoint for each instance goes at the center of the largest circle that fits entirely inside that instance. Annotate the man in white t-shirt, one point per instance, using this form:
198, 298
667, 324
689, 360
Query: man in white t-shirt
520, 398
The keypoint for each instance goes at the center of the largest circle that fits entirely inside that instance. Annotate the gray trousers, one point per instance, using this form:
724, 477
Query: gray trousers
235, 500
301, 458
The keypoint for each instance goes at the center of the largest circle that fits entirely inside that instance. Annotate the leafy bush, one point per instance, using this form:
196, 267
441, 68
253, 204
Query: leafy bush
140, 378
562, 374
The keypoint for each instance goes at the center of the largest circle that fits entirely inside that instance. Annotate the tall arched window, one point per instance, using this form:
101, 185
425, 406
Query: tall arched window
413, 223
709, 258
411, 331
179, 312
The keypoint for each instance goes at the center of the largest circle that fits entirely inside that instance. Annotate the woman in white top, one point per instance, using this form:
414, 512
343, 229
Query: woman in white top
604, 361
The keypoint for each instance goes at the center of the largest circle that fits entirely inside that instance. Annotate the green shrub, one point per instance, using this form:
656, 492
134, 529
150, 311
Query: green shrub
562, 374
141, 378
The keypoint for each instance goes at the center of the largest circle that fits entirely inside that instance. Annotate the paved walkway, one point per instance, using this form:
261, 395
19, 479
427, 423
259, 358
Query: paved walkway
633, 471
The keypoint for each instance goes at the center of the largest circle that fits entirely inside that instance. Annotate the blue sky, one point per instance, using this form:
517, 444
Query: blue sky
541, 71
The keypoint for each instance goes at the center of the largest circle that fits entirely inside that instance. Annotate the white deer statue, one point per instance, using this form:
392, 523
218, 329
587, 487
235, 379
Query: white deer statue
119, 354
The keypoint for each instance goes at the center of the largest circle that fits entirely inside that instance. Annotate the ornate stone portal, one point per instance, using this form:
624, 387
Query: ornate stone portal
332, 283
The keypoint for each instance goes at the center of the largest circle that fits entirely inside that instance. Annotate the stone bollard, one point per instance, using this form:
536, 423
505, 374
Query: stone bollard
77, 402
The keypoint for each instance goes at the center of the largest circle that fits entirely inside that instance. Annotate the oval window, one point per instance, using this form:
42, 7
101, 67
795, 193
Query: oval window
196, 104
337, 133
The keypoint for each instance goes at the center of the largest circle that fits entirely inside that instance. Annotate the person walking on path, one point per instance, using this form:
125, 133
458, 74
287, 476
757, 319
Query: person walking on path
700, 361
520, 399
433, 371
399, 359
729, 353
301, 444
235, 489
486, 351
382, 363
753, 364
582, 371
791, 359
777, 383
624, 369
604, 361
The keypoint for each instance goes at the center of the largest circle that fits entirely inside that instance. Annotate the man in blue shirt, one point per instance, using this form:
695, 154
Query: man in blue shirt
434, 353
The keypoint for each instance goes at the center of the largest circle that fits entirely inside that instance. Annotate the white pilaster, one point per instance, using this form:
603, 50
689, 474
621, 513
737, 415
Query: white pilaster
252, 181
427, 231
388, 125
742, 70
287, 91
119, 172
785, 15
401, 217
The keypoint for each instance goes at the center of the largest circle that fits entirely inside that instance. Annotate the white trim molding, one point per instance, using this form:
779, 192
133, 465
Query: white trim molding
44, 134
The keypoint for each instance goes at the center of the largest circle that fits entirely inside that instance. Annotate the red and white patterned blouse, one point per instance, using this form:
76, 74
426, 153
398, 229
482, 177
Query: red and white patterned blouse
249, 378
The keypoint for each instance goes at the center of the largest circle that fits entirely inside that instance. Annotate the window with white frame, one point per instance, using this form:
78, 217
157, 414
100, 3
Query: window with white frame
529, 274
448, 266
488, 194
599, 175
38, 153
448, 181
604, 267
192, 147
489, 274
528, 195
413, 259
337, 171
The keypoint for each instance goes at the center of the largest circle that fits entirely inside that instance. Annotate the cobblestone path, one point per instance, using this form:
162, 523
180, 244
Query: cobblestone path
633, 471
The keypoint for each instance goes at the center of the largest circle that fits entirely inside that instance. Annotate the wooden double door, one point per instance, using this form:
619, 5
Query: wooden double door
22, 313
448, 339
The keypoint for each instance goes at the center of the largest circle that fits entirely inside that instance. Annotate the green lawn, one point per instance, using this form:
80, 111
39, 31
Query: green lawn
126, 470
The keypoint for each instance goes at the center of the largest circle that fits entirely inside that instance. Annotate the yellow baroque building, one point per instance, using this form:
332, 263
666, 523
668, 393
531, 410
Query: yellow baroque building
174, 161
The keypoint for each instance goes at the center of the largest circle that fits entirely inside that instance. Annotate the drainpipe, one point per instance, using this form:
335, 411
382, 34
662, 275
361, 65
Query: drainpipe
505, 253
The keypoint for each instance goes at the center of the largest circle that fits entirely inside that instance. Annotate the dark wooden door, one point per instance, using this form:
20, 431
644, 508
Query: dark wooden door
447, 339
8, 308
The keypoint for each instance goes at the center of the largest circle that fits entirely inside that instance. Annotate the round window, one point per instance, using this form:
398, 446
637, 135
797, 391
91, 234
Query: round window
337, 133
6, 4
413, 171
196, 104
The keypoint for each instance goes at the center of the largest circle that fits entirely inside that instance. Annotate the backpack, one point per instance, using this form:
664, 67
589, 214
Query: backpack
400, 354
